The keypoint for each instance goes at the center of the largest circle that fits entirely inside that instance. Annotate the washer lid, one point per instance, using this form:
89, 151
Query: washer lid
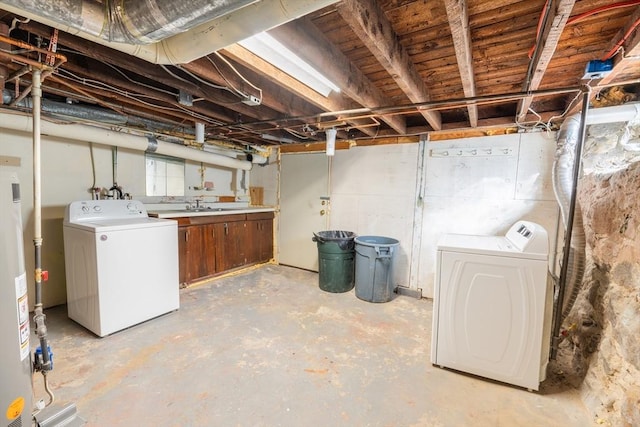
118, 224
484, 245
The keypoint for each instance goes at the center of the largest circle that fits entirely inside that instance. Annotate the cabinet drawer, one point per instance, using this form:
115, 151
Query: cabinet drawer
259, 215
215, 219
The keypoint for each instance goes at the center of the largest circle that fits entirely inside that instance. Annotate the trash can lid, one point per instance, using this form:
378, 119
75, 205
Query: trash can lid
376, 241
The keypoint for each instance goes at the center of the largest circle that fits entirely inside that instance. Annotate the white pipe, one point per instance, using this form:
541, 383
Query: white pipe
36, 93
203, 39
84, 133
200, 132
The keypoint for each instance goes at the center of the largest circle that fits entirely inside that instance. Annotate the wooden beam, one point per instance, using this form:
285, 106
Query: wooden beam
549, 38
334, 102
303, 37
369, 23
458, 16
276, 102
134, 90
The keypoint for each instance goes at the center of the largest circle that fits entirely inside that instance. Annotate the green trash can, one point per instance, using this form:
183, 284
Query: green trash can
375, 259
335, 260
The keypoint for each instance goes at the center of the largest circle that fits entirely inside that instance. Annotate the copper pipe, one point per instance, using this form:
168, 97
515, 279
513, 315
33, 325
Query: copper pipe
27, 46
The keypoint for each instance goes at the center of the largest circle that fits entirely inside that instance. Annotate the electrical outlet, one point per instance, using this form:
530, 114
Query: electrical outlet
251, 100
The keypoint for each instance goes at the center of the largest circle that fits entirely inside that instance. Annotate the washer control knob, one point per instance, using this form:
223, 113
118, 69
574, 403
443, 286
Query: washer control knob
97, 208
85, 209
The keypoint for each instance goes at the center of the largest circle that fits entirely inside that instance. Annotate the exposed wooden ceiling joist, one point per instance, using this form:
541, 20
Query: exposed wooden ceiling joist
400, 64
367, 20
547, 41
626, 60
335, 66
461, 33
277, 76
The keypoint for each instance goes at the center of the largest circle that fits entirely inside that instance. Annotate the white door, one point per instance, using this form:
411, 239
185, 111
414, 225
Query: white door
304, 204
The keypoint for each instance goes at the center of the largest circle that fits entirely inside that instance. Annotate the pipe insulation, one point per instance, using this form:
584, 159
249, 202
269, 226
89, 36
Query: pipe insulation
84, 133
131, 21
563, 185
176, 42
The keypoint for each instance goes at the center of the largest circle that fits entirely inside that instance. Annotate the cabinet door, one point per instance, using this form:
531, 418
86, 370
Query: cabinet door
260, 240
197, 257
265, 240
209, 249
230, 244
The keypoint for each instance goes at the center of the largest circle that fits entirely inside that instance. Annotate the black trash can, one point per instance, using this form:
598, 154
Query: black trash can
336, 260
375, 259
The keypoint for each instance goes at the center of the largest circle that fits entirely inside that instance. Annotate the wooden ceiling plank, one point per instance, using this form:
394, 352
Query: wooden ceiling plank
368, 21
313, 47
277, 76
461, 33
556, 21
622, 62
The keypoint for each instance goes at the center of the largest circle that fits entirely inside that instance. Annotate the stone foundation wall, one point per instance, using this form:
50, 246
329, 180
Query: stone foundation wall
602, 345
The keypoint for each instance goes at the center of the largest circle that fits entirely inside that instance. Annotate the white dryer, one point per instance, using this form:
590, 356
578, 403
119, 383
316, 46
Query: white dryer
121, 265
493, 305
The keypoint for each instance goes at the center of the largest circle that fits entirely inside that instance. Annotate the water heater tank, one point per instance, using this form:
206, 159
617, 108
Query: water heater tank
15, 359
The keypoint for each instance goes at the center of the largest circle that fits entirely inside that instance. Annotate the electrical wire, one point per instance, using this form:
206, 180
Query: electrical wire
137, 82
569, 106
238, 73
541, 21
608, 7
203, 81
103, 86
237, 91
122, 73
624, 38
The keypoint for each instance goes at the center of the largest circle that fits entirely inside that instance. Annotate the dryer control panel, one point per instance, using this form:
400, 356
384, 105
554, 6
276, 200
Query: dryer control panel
528, 237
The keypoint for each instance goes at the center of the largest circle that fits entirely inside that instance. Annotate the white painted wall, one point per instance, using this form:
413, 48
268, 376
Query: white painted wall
485, 194
67, 176
373, 193
267, 176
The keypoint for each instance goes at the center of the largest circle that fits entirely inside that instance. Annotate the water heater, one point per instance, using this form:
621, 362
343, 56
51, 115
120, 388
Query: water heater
15, 359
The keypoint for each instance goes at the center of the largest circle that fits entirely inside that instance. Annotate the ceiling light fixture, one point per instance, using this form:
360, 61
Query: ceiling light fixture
272, 51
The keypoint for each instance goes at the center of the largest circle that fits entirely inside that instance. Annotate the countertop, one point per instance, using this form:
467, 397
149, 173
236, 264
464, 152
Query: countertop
182, 213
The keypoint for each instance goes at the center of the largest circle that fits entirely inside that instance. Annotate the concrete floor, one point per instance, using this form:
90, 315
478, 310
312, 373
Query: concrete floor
267, 347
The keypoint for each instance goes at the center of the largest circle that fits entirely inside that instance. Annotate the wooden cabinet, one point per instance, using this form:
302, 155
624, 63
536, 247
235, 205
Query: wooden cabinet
259, 237
231, 244
195, 260
209, 245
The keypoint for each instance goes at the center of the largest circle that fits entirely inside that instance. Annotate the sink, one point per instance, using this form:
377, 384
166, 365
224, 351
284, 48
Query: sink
210, 209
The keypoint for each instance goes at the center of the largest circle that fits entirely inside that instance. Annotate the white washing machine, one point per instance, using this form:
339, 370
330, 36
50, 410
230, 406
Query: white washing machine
493, 305
121, 265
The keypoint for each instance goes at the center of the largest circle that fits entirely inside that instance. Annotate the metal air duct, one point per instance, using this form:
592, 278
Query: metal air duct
180, 31
129, 21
